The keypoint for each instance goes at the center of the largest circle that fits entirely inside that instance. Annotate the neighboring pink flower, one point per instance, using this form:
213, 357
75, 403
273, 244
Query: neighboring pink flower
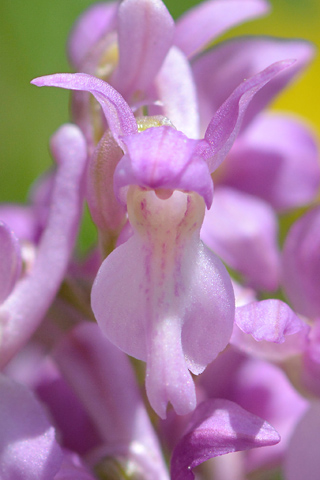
102, 378
272, 167
137, 48
212, 421
27, 299
28, 448
301, 264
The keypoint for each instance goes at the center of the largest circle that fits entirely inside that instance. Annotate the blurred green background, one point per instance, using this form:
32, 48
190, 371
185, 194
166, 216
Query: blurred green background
33, 35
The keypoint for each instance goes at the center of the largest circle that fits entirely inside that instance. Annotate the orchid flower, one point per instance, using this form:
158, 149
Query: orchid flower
26, 298
301, 264
206, 21
262, 389
239, 227
272, 167
269, 329
167, 180
172, 79
162, 116
292, 344
137, 48
102, 379
298, 355
301, 282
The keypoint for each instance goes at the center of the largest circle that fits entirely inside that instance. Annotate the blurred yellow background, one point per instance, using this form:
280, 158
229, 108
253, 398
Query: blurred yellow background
33, 37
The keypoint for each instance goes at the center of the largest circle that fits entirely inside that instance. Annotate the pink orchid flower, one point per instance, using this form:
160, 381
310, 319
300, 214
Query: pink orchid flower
167, 180
136, 47
273, 165
25, 299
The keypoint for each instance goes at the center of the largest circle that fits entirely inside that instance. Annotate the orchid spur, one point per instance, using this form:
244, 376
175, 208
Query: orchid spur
178, 314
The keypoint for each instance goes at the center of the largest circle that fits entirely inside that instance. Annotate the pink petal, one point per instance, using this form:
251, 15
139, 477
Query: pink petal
24, 309
176, 91
303, 459
225, 124
156, 318
209, 318
103, 379
301, 264
218, 427
202, 24
167, 375
264, 390
28, 449
117, 111
10, 261
221, 70
242, 230
76, 428
276, 158
269, 321
94, 23
145, 32
162, 157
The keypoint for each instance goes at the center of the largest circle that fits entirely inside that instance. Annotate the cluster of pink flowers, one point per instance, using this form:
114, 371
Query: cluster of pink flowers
185, 175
